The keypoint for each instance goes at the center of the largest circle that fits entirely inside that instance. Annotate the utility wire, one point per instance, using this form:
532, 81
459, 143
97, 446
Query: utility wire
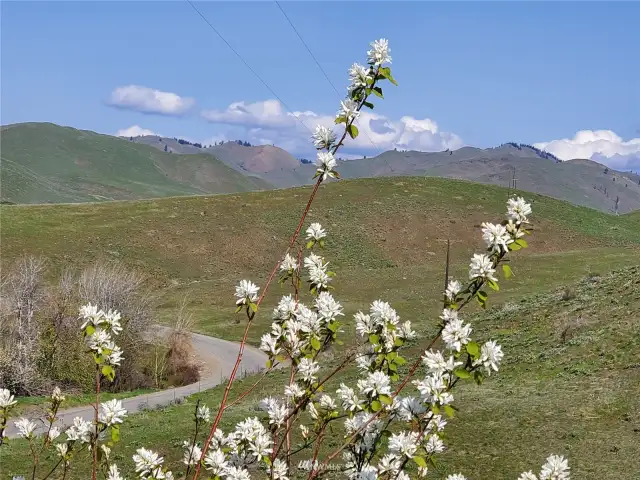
325, 73
246, 64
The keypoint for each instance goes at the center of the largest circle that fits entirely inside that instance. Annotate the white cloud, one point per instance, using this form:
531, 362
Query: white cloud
148, 100
600, 145
269, 122
134, 131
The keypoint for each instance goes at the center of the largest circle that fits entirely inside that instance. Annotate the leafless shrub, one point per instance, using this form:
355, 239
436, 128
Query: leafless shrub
181, 367
21, 294
568, 293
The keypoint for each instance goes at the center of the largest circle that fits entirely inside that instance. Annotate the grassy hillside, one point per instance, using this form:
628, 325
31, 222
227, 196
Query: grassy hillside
570, 384
387, 237
46, 163
570, 394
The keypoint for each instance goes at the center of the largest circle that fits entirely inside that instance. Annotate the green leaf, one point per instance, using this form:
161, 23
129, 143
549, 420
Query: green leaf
352, 130
478, 377
521, 242
386, 399
340, 120
368, 105
507, 271
399, 360
435, 409
238, 308
253, 307
482, 295
375, 339
473, 349
376, 406
494, 285
449, 411
378, 92
393, 367
462, 373
421, 462
109, 372
90, 329
514, 247
386, 73
310, 243
398, 342
315, 343
115, 433
321, 243
269, 363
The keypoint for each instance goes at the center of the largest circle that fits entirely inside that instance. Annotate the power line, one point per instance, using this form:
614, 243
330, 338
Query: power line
246, 64
325, 73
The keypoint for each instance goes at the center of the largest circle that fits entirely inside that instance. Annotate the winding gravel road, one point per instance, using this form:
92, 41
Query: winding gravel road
217, 357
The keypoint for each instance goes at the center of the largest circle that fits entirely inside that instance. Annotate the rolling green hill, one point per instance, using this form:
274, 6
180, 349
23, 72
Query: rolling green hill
567, 394
46, 163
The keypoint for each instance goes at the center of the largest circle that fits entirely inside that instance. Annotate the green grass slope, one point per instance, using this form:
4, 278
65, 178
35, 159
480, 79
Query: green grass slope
569, 384
387, 237
574, 394
46, 163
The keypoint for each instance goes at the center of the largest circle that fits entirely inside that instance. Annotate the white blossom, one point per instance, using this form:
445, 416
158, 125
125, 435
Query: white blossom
435, 362
323, 137
62, 449
433, 388
496, 237
289, 264
293, 391
481, 266
455, 334
410, 408
350, 400
237, 473
434, 444
327, 402
6, 399
246, 292
106, 450
454, 287
327, 306
358, 76
192, 453
315, 232
490, 356
115, 356
325, 165
57, 395
80, 430
146, 461
203, 414
114, 473
91, 315
54, 432
112, 320
111, 412
405, 331
364, 325
380, 52
382, 312
279, 470
377, 383
308, 369
449, 314
216, 462
348, 110
389, 464
404, 443
26, 428
287, 306
555, 468
456, 476
527, 476
518, 209
514, 231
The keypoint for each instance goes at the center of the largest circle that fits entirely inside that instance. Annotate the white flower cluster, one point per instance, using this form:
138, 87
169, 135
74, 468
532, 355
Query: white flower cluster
383, 330
246, 292
231, 456
98, 327
148, 465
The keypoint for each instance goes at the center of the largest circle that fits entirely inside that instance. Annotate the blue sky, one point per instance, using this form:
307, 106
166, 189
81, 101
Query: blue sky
470, 73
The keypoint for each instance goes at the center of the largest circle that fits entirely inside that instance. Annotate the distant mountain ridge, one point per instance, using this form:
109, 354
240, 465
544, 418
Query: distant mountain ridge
47, 163
87, 166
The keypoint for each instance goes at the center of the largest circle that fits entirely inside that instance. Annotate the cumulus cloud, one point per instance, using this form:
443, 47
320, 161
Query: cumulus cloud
134, 131
268, 122
603, 146
148, 100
